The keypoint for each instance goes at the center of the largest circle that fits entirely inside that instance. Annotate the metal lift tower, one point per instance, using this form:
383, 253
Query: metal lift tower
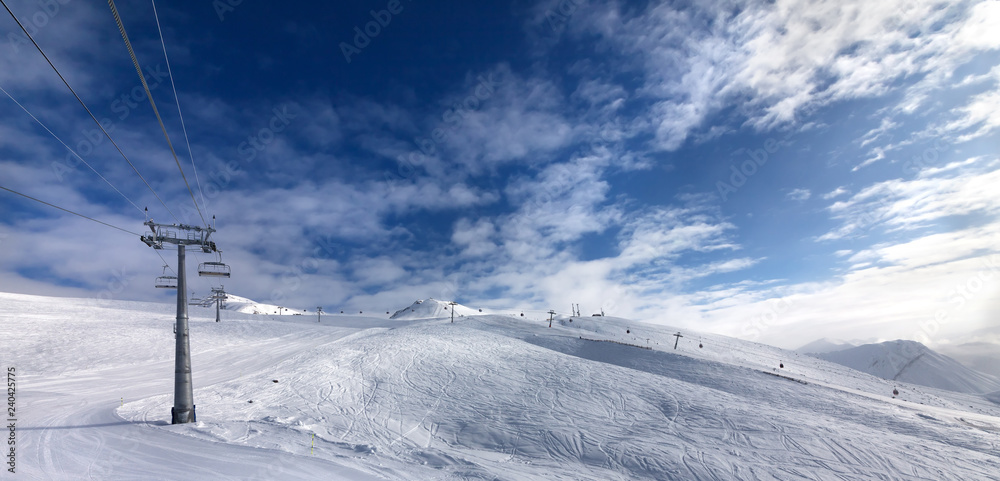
219, 294
182, 236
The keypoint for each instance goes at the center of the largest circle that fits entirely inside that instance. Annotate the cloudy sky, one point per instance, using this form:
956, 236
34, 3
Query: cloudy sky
778, 171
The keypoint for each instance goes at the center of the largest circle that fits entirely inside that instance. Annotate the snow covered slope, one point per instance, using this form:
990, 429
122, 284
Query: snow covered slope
488, 397
912, 362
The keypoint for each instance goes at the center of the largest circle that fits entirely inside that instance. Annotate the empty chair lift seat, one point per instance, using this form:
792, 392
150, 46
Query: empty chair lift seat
213, 269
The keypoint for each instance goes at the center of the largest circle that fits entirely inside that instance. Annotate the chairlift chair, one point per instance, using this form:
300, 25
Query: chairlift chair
165, 281
213, 269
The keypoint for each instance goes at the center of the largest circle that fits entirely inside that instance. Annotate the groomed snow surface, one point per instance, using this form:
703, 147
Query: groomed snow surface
495, 396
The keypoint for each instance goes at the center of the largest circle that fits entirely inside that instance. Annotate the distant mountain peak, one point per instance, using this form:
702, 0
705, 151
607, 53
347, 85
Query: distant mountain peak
824, 345
915, 363
431, 308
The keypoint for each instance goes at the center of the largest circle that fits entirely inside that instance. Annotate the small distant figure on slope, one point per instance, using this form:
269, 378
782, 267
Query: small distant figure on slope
781, 364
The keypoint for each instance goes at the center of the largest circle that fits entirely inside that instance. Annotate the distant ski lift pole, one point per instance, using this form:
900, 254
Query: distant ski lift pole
678, 336
219, 296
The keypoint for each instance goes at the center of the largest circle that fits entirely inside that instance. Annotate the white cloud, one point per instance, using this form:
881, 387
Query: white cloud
839, 191
804, 53
513, 120
983, 111
476, 239
898, 294
876, 133
799, 195
980, 30
782, 60
376, 271
877, 154
908, 205
667, 233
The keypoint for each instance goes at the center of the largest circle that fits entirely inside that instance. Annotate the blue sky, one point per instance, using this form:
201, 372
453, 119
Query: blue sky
777, 171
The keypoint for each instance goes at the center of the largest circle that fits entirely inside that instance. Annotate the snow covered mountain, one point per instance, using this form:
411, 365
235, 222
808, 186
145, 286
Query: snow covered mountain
823, 346
249, 306
488, 397
432, 309
912, 362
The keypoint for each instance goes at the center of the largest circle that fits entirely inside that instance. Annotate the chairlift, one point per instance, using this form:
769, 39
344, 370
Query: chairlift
165, 281
213, 269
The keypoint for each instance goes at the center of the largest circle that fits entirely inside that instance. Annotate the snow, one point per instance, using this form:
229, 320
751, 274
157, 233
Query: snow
912, 362
492, 396
823, 346
433, 308
248, 306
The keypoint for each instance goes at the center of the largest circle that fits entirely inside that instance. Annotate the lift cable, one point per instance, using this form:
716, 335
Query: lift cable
177, 100
69, 148
149, 95
106, 134
165, 263
67, 210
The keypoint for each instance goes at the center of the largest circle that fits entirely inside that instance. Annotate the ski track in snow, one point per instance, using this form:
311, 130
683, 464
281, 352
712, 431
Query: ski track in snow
490, 397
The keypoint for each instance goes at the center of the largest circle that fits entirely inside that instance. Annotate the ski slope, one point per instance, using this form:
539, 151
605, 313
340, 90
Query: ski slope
488, 397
